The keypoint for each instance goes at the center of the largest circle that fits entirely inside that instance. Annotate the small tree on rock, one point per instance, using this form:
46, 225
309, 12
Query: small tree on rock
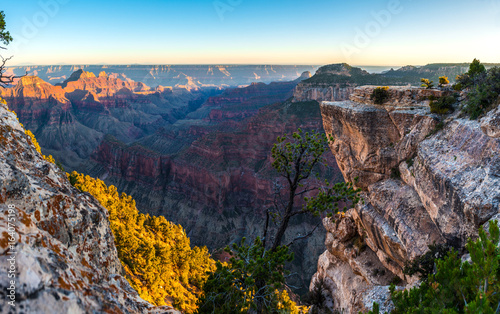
427, 83
443, 80
254, 279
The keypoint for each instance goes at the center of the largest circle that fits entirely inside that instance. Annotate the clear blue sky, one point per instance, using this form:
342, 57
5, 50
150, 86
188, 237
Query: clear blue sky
368, 32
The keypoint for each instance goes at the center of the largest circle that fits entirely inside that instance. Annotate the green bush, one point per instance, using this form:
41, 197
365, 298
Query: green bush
380, 95
443, 80
484, 93
443, 104
456, 286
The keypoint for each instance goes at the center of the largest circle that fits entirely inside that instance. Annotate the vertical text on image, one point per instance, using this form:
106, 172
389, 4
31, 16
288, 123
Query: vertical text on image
12, 240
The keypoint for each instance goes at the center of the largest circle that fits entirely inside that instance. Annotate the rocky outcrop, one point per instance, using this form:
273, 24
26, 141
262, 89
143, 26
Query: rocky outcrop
60, 238
330, 83
490, 124
425, 180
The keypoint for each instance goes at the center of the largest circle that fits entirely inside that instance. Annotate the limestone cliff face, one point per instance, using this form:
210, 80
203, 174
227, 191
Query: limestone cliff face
65, 257
423, 182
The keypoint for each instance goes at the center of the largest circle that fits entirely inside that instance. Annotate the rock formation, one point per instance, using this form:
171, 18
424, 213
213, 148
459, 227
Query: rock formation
424, 181
71, 119
60, 238
200, 76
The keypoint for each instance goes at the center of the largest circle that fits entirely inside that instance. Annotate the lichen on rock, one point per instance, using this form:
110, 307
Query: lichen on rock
66, 260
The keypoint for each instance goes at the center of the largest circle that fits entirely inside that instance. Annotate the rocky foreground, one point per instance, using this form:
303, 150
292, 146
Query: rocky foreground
423, 182
57, 251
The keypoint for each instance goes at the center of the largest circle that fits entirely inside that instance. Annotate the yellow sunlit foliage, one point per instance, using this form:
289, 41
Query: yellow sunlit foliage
155, 253
287, 305
49, 158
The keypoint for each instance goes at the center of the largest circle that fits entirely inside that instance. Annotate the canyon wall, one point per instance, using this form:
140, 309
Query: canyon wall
219, 186
425, 178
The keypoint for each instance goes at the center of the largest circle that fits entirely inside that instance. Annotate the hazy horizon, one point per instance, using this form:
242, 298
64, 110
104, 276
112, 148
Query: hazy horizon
396, 32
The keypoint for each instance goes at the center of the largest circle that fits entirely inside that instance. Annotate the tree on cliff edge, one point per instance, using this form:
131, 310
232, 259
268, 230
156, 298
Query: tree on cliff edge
5, 39
254, 279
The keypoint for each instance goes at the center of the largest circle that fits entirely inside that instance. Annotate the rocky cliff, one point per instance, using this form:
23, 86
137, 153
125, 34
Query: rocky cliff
57, 250
335, 82
425, 178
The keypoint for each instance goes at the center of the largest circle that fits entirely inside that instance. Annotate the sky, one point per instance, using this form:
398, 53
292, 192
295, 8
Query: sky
364, 32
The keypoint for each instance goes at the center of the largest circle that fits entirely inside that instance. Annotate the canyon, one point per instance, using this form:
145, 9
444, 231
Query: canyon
180, 76
199, 154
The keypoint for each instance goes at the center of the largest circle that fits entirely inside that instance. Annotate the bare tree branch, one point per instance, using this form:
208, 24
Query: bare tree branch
306, 190
6, 80
304, 236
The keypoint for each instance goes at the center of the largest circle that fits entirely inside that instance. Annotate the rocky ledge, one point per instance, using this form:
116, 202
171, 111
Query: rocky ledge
425, 180
57, 250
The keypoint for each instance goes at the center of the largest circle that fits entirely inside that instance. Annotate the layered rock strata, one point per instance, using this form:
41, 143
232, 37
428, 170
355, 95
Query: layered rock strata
425, 180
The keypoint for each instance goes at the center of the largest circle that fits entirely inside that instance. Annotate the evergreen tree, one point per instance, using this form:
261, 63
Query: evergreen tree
254, 278
459, 286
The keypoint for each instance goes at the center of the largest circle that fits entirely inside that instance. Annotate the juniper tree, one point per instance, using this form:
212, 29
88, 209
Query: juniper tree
254, 279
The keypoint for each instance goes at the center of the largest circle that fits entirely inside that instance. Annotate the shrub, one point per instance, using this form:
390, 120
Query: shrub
156, 254
476, 68
475, 74
425, 264
443, 80
456, 286
427, 83
443, 104
484, 93
458, 87
380, 95
315, 295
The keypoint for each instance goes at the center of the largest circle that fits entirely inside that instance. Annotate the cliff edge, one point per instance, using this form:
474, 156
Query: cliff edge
425, 178
57, 251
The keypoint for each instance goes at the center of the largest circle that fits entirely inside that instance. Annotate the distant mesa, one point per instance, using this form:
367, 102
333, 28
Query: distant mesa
305, 75
30, 80
78, 74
